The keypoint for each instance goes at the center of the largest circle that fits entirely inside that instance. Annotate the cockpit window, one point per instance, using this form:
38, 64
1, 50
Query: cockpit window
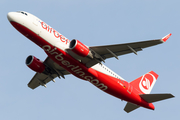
22, 12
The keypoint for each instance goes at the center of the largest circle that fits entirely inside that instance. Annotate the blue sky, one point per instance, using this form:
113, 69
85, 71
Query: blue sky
95, 22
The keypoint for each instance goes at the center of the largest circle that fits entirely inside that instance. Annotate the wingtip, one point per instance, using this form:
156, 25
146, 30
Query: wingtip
164, 39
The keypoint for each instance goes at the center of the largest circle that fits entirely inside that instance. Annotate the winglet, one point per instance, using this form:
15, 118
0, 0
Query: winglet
166, 37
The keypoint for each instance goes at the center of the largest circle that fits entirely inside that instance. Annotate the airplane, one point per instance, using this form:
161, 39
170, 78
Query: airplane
73, 57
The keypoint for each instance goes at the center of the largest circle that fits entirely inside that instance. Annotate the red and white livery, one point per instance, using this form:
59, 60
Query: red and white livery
73, 57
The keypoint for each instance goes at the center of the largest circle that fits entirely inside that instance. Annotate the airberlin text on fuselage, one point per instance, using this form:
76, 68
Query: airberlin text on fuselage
75, 69
56, 34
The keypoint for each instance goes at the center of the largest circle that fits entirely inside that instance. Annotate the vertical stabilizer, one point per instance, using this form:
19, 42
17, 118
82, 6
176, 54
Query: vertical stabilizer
145, 83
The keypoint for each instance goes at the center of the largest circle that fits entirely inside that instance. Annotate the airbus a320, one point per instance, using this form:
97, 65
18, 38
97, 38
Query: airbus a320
73, 57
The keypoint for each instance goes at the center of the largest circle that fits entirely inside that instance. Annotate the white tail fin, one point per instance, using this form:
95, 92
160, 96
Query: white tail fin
145, 83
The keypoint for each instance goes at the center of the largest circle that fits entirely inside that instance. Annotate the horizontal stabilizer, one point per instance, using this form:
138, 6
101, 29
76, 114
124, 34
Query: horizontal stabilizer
130, 107
150, 98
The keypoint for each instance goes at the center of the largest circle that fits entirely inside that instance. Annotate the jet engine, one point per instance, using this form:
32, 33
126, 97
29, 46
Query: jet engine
35, 64
80, 49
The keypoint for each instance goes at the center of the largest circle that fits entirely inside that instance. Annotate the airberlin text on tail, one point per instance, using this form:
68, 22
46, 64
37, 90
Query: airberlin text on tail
145, 83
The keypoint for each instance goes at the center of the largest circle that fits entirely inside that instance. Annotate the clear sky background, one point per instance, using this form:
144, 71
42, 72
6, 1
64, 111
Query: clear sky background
93, 22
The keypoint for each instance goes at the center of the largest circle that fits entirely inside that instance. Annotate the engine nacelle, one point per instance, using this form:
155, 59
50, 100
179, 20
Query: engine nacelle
80, 49
35, 64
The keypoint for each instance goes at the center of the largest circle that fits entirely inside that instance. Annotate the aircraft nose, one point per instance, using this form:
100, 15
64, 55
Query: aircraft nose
11, 16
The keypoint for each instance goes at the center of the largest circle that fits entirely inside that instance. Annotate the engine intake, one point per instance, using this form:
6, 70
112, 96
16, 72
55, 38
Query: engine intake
35, 64
80, 49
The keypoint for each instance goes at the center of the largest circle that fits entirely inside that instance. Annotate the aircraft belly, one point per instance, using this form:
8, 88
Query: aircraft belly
72, 65
121, 89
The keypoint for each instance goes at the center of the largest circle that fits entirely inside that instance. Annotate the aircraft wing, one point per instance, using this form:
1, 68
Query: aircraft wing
121, 49
108, 51
54, 70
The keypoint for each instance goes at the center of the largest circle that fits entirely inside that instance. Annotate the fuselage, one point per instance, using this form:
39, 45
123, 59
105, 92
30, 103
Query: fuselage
55, 45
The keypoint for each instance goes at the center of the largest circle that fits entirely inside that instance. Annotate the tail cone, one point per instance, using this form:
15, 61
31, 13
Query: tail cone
151, 106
